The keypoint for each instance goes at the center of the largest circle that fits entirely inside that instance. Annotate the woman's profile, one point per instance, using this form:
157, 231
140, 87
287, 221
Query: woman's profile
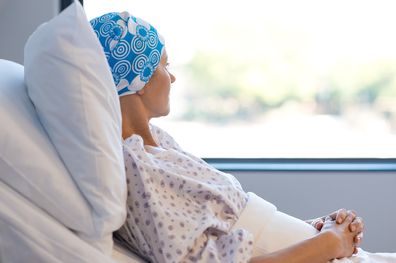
179, 208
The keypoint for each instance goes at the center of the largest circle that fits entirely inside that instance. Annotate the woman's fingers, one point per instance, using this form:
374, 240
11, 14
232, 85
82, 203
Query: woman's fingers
334, 215
358, 239
341, 215
349, 218
317, 223
357, 225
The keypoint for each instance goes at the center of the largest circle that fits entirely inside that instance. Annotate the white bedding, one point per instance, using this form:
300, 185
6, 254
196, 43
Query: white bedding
122, 255
32, 224
28, 234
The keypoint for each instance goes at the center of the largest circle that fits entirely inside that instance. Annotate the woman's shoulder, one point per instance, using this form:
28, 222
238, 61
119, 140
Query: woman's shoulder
163, 139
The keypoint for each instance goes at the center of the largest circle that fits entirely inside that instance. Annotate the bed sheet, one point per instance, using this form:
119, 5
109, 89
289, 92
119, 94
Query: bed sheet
29, 234
122, 255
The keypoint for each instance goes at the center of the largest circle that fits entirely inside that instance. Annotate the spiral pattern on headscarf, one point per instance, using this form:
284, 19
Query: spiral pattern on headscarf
122, 68
132, 47
106, 28
121, 50
155, 57
139, 63
152, 40
106, 17
138, 45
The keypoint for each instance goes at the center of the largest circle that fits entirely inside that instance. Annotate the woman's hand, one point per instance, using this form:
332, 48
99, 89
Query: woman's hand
343, 237
339, 216
335, 240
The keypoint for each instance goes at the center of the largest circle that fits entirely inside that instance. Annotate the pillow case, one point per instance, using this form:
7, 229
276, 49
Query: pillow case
29, 162
42, 239
70, 83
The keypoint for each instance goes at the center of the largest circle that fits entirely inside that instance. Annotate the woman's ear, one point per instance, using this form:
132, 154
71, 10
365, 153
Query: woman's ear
140, 92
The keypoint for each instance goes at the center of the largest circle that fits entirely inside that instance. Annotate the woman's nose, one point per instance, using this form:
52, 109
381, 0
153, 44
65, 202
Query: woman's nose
173, 78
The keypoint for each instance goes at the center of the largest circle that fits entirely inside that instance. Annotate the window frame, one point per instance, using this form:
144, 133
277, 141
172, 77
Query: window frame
304, 164
66, 3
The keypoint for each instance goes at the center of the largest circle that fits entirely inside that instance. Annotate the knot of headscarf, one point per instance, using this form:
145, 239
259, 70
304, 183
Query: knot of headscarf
133, 49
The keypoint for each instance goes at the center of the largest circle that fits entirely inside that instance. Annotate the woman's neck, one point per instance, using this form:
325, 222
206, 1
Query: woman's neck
135, 121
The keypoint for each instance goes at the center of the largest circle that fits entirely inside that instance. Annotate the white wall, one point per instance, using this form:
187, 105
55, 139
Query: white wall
312, 194
18, 19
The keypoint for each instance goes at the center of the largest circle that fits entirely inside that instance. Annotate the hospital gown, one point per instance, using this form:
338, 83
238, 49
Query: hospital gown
179, 208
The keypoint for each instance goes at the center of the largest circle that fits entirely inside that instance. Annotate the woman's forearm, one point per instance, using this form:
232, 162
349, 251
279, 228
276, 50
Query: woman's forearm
318, 249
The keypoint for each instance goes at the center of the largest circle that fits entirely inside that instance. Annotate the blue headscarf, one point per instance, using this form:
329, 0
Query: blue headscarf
133, 49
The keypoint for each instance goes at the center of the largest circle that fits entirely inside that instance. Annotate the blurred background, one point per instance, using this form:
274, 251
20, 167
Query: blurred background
280, 78
273, 79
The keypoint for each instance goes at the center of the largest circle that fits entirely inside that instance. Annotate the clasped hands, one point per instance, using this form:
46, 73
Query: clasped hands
339, 217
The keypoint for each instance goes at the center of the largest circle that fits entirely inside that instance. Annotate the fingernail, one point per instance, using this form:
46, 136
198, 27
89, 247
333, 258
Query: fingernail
353, 228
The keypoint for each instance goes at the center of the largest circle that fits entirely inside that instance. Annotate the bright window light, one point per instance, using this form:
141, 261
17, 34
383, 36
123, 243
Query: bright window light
285, 78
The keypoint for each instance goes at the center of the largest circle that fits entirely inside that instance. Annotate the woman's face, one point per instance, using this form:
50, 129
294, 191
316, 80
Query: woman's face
155, 94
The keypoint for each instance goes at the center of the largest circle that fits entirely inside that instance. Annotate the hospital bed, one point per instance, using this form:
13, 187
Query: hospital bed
27, 232
51, 208
62, 179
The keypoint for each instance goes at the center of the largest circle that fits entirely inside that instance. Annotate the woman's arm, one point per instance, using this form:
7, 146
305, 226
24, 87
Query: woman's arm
314, 250
335, 241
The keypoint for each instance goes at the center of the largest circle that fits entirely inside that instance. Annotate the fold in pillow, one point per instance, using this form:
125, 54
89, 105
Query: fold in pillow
29, 162
42, 239
69, 81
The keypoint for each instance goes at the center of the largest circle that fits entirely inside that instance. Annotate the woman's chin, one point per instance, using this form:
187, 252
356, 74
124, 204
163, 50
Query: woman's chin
166, 113
163, 114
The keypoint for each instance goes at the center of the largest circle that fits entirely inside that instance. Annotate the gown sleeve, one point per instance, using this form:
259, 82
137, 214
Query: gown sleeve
179, 209
235, 247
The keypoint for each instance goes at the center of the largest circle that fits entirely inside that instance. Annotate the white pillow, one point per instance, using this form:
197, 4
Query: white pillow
29, 235
70, 84
29, 162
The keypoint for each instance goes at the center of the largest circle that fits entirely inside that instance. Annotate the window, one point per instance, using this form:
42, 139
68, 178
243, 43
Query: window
277, 79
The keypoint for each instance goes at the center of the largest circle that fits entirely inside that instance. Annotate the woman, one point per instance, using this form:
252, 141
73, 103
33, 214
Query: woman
180, 209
